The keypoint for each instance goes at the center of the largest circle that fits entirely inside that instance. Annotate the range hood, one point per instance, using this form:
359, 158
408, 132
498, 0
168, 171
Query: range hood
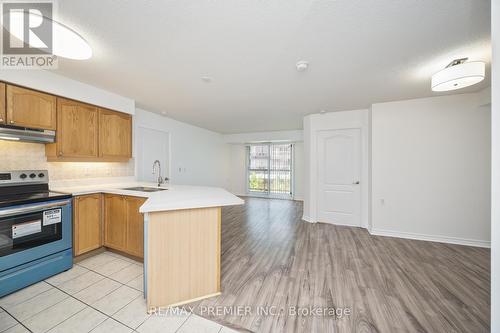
14, 133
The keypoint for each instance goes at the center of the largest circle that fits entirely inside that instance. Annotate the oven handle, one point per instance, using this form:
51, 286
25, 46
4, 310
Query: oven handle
33, 208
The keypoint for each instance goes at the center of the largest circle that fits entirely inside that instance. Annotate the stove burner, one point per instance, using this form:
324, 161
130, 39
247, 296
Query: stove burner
26, 186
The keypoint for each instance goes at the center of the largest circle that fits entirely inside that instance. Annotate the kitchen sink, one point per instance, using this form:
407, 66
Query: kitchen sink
144, 189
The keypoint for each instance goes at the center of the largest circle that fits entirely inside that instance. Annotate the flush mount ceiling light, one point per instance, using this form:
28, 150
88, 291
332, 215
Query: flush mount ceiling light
66, 42
301, 65
458, 74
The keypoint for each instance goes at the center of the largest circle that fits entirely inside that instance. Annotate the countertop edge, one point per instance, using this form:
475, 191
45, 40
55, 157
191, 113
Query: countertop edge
151, 205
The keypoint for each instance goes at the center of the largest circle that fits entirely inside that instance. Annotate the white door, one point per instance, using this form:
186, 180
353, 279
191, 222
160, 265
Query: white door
339, 175
152, 145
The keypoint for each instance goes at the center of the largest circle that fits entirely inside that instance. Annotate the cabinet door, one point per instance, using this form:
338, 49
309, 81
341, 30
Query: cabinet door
135, 227
77, 129
115, 222
2, 103
115, 135
87, 226
29, 108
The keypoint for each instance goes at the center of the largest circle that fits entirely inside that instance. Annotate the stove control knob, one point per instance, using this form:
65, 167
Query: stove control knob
32, 175
22, 176
41, 175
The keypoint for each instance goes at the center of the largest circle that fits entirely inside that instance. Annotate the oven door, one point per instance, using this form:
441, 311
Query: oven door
30, 232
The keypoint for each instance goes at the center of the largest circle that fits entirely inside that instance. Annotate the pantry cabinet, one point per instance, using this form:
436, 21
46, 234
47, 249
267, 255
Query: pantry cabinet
30, 108
87, 223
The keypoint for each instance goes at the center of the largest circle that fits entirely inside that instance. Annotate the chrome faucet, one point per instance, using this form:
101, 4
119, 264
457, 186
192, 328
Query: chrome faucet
159, 179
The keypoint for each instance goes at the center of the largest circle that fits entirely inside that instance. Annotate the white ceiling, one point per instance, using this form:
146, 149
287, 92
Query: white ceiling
360, 52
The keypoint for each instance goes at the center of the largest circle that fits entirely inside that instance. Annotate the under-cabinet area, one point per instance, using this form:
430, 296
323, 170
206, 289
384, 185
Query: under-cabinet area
108, 220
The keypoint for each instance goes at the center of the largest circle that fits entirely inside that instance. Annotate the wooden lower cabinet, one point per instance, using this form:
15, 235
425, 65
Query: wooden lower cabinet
3, 115
123, 224
87, 226
135, 227
115, 222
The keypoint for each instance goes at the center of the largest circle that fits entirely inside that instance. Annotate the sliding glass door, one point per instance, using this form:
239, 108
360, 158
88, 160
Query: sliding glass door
270, 169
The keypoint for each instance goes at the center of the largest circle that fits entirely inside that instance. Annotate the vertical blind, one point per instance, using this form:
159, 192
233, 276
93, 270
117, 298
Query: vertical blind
270, 169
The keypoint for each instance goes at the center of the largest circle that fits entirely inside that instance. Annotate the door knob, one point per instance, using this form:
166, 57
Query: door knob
356, 183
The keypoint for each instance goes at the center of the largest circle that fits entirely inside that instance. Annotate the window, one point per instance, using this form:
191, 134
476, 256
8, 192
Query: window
270, 169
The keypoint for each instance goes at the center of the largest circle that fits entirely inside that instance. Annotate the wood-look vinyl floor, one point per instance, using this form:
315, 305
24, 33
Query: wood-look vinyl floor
272, 258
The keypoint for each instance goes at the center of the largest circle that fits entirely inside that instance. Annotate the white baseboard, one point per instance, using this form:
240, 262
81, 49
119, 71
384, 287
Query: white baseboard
430, 238
308, 219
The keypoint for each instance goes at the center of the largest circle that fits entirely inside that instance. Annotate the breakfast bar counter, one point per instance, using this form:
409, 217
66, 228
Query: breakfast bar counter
182, 244
182, 237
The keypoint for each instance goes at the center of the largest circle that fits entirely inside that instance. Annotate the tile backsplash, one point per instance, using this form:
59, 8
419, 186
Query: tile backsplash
24, 155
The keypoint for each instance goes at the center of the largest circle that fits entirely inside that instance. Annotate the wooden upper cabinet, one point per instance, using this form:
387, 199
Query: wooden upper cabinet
84, 132
2, 103
29, 108
115, 135
135, 227
115, 222
87, 222
77, 129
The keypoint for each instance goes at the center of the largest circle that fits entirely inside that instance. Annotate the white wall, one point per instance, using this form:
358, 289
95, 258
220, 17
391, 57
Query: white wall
431, 169
198, 156
334, 120
237, 158
273, 136
495, 181
59, 85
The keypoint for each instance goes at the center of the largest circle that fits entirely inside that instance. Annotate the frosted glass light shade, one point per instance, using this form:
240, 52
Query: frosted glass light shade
458, 76
66, 42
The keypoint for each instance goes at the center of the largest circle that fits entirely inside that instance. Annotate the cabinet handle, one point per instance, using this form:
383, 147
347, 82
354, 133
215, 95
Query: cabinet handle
60, 153
12, 121
1, 120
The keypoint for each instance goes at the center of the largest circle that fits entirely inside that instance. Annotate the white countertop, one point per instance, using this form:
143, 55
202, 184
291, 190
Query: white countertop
173, 198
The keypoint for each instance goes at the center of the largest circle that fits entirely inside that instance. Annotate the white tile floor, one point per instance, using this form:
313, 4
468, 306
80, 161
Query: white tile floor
103, 293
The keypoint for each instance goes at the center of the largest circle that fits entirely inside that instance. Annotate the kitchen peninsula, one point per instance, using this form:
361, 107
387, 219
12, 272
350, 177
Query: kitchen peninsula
182, 237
